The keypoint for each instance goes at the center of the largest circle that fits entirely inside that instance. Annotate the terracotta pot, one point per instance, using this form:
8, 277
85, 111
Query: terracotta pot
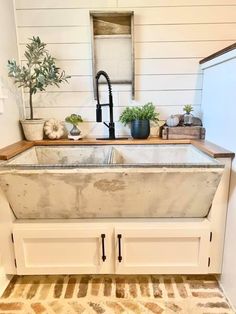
33, 129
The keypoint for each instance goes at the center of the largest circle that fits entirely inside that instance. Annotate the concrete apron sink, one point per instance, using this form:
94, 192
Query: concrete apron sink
110, 181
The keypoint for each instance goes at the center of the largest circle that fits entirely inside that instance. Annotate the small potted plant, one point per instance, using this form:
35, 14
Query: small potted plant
188, 117
139, 117
75, 132
39, 71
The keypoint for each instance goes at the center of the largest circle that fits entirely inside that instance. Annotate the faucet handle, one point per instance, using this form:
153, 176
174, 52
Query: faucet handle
99, 114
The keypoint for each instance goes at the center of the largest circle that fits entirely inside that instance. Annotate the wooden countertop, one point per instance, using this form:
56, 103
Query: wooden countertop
205, 146
212, 149
14, 149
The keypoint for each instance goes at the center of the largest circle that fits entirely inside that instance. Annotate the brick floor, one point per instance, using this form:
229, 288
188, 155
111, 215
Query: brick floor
114, 294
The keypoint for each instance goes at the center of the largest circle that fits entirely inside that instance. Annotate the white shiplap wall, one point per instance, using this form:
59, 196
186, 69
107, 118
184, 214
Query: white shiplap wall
10, 97
171, 36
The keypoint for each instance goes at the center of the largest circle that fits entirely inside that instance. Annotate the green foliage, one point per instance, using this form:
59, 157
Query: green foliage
188, 109
39, 72
146, 112
74, 119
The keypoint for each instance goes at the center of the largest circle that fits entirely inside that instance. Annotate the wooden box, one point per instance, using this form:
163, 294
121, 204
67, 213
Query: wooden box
183, 132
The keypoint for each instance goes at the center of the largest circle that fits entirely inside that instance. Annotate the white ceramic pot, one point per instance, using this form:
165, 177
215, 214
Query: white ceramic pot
33, 129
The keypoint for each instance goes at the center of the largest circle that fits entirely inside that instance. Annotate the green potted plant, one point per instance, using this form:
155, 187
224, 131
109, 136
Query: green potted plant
188, 117
75, 132
139, 117
39, 71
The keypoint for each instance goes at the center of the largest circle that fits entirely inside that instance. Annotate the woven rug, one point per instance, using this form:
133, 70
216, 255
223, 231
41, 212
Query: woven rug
114, 294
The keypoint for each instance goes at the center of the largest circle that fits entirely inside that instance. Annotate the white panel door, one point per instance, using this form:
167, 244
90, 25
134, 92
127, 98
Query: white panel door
71, 250
162, 251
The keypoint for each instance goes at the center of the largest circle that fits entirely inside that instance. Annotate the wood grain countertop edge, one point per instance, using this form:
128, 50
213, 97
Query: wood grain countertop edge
14, 149
209, 148
218, 53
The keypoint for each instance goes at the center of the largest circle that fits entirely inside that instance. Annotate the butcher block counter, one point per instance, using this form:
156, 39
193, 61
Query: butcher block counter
209, 148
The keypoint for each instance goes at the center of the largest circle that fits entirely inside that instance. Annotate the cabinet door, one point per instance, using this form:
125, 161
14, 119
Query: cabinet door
56, 250
163, 251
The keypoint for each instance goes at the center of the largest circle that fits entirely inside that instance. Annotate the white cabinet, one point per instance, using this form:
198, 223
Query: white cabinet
72, 250
106, 248
162, 251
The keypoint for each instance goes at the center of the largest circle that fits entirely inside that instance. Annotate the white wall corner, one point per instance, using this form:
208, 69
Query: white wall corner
4, 280
1, 106
2, 97
225, 294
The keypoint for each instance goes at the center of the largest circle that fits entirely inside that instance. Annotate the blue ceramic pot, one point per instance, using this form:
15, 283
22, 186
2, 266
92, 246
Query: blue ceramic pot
140, 129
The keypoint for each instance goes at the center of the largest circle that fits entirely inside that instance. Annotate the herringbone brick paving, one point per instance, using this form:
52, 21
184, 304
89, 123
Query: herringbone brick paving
114, 294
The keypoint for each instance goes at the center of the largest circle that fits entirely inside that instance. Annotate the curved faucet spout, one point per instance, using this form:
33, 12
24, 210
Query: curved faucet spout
111, 124
103, 73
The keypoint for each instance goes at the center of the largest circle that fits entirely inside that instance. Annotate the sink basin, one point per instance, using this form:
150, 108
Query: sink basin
62, 156
108, 181
160, 155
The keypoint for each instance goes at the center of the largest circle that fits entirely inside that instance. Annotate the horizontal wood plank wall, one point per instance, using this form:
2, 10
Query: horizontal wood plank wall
171, 36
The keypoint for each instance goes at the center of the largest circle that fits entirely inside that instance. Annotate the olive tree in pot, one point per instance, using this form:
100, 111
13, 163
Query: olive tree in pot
139, 117
39, 72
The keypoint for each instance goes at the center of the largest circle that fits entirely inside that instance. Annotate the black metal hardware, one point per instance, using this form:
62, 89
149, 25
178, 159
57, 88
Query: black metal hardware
103, 247
111, 124
210, 236
209, 261
119, 236
99, 114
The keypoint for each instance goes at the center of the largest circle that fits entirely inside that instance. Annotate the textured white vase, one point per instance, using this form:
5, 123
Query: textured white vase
33, 129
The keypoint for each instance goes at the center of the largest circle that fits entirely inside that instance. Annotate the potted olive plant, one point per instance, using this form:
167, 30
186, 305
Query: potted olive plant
139, 117
39, 72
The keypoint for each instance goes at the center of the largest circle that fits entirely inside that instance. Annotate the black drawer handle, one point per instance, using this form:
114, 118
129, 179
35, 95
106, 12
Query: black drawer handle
119, 236
103, 247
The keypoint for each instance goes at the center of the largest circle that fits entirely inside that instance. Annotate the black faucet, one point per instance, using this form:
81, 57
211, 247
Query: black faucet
111, 125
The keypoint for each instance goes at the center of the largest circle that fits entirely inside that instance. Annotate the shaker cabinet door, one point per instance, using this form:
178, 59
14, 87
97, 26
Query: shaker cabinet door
162, 251
56, 250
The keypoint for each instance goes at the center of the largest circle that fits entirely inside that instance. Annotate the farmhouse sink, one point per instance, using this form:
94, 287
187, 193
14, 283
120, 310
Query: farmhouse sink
108, 181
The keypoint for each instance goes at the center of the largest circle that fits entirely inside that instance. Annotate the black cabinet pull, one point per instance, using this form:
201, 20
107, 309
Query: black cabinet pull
103, 247
119, 236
